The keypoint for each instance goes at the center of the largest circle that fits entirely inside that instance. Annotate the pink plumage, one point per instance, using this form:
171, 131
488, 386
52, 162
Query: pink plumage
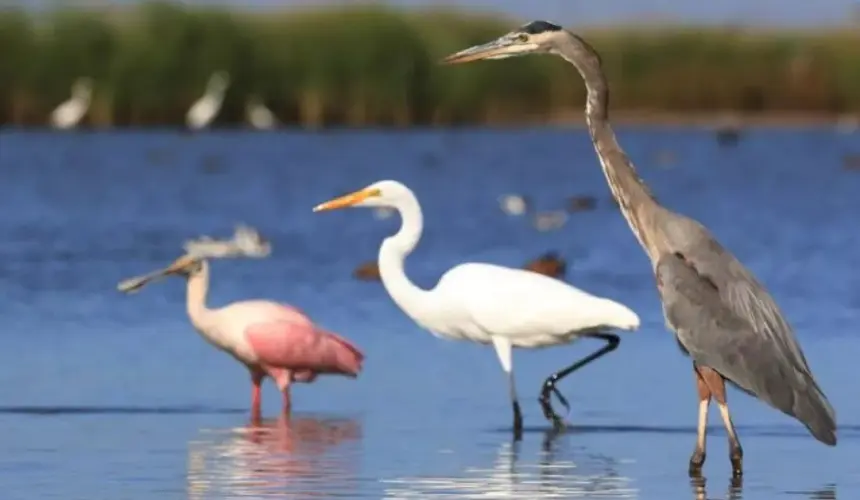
303, 348
271, 339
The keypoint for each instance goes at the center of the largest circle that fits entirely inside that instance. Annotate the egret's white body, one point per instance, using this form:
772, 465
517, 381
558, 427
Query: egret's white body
201, 114
69, 114
259, 116
484, 303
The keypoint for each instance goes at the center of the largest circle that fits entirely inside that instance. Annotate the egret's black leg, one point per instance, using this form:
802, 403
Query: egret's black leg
518, 421
612, 342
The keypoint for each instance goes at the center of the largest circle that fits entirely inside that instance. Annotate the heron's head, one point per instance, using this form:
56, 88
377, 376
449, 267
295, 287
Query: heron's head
536, 37
378, 194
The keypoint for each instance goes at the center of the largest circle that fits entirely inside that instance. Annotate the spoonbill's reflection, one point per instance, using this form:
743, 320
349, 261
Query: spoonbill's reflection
297, 457
550, 475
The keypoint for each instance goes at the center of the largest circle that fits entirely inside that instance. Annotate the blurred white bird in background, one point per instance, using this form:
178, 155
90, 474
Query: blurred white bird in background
204, 111
258, 115
69, 114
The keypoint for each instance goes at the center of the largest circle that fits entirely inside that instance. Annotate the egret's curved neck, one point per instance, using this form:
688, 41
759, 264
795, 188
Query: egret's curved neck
198, 287
414, 301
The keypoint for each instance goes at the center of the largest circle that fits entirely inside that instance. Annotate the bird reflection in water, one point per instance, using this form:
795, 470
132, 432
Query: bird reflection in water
735, 490
550, 476
292, 457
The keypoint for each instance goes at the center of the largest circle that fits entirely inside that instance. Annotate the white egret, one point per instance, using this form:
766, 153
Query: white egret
201, 114
259, 116
490, 304
69, 114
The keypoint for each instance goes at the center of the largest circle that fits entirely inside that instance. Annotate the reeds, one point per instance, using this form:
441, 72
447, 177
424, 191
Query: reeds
373, 65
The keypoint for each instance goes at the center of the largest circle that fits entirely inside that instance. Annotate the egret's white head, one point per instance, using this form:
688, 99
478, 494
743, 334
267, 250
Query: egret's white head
533, 38
378, 194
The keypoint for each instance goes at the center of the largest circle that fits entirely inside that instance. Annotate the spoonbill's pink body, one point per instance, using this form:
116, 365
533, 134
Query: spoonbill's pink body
271, 339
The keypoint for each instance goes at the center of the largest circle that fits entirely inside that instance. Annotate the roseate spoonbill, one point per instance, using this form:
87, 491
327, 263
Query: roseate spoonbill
202, 112
490, 304
270, 339
69, 114
723, 318
259, 116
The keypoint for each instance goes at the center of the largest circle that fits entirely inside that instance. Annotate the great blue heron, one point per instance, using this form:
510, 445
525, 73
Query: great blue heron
723, 318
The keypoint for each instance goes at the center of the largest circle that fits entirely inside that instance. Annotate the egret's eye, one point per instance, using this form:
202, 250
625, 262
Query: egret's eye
522, 37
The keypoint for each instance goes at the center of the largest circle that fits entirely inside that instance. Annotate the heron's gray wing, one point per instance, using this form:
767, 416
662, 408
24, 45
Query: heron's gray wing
717, 337
745, 296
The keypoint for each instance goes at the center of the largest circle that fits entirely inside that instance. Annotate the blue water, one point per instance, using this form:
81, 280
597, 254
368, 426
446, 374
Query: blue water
104, 396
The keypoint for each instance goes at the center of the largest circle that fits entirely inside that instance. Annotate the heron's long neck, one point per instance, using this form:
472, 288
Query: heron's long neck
634, 198
198, 287
414, 301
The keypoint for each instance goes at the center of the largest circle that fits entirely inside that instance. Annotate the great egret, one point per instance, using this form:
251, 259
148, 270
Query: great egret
69, 114
490, 304
201, 114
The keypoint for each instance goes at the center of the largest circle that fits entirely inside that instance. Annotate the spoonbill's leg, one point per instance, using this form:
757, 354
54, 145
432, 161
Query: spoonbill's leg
697, 460
256, 399
612, 342
282, 377
503, 350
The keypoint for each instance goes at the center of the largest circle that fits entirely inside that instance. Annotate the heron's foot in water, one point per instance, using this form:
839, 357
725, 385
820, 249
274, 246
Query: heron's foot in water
736, 455
697, 460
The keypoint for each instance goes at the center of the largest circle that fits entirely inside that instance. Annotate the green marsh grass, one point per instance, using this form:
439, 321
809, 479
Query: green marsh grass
369, 65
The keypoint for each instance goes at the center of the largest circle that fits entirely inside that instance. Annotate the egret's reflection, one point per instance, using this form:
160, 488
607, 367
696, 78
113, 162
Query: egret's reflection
550, 473
301, 457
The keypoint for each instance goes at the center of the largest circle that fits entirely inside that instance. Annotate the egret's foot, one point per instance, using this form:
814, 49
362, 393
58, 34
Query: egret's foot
737, 457
696, 463
518, 422
550, 414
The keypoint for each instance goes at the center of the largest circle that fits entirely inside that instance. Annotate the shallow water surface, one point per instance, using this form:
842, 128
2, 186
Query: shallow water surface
111, 396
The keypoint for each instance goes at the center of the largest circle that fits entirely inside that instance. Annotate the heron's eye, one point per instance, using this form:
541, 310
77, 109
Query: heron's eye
522, 37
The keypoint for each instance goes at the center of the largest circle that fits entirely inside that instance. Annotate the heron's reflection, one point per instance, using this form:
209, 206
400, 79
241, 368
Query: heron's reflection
551, 473
735, 490
302, 457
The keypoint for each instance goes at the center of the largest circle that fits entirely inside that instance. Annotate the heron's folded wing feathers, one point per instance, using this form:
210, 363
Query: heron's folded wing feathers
716, 336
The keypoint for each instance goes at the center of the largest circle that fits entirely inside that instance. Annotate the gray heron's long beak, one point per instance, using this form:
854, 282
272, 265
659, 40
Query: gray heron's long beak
500, 48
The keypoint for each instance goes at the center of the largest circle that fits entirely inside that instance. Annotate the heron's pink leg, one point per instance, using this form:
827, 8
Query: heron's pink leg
256, 399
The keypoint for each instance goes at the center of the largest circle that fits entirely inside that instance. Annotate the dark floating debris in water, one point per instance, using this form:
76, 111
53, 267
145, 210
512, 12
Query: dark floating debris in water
549, 264
581, 203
